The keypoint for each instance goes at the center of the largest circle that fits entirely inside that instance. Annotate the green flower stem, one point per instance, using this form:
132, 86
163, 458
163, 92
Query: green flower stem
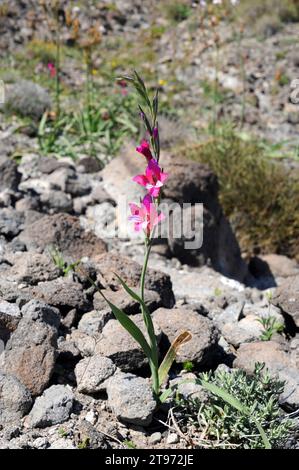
57, 91
88, 64
148, 322
148, 245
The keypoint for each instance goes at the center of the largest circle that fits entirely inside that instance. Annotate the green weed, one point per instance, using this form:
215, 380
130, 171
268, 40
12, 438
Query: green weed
271, 326
215, 423
177, 10
256, 193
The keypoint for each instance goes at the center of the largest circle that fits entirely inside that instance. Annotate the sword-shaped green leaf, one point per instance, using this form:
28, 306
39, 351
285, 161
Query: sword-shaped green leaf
130, 326
147, 318
236, 404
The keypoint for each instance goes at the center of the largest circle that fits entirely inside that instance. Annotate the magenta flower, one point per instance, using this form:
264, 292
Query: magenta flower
52, 69
144, 149
146, 216
123, 86
153, 179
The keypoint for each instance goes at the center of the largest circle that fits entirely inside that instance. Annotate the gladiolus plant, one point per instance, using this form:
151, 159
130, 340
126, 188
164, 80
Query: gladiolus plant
145, 217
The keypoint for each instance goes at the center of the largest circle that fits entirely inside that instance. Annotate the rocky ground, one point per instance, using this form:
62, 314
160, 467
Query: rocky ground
253, 73
70, 376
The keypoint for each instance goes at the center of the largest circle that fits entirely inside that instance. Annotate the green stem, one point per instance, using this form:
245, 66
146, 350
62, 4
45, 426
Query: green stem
148, 323
57, 92
148, 245
88, 74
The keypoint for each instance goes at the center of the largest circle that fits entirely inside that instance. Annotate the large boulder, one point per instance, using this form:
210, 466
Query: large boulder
117, 344
15, 399
10, 315
9, 174
131, 399
192, 183
204, 336
108, 264
31, 350
64, 232
31, 268
279, 363
118, 174
53, 407
61, 293
280, 266
11, 222
92, 372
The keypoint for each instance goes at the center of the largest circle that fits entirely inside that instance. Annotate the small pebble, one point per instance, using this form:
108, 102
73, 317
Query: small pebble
155, 438
41, 443
91, 417
172, 439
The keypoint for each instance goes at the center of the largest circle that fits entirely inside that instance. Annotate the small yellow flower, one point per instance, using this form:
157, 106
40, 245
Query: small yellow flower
94, 72
162, 82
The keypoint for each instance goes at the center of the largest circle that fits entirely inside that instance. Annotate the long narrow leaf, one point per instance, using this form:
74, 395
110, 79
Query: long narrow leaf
126, 77
227, 397
130, 326
140, 81
42, 124
166, 394
146, 121
236, 404
141, 88
147, 318
223, 394
156, 104
263, 435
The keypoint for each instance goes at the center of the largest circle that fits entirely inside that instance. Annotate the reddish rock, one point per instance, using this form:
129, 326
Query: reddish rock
64, 232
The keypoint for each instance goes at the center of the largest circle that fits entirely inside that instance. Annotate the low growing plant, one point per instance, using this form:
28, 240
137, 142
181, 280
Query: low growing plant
62, 433
84, 444
61, 264
129, 444
188, 366
177, 10
271, 326
217, 423
97, 129
255, 192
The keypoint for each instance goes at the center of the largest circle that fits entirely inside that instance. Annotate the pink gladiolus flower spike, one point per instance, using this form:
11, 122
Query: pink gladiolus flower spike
146, 216
153, 179
52, 69
144, 149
